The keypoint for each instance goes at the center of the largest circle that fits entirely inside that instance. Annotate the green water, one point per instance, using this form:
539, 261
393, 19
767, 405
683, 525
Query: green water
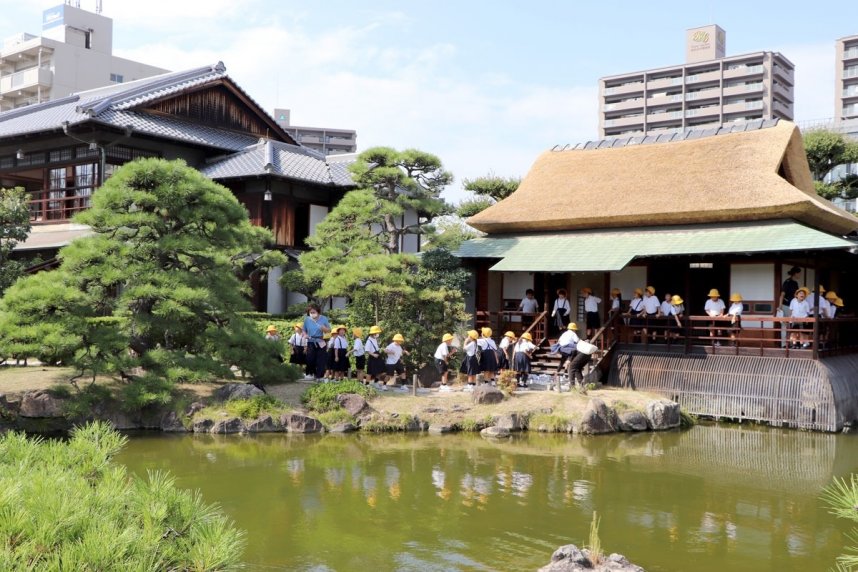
710, 498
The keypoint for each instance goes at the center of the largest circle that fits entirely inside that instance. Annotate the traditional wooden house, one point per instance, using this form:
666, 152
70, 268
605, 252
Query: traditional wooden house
731, 208
61, 151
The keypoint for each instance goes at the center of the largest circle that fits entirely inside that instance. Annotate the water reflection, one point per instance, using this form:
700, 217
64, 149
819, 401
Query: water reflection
744, 498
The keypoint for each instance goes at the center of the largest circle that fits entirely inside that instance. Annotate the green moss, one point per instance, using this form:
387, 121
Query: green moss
323, 396
251, 408
549, 422
335, 416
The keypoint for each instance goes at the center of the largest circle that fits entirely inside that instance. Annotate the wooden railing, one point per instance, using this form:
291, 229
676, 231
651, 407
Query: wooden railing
516, 322
47, 208
755, 335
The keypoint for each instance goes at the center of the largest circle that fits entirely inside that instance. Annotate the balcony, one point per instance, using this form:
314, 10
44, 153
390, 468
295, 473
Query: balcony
663, 82
703, 94
26, 80
784, 73
743, 71
665, 116
634, 87
850, 53
625, 104
783, 91
704, 112
624, 121
703, 77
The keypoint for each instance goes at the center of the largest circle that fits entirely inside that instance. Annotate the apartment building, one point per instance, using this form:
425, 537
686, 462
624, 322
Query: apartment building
327, 140
709, 89
846, 82
74, 53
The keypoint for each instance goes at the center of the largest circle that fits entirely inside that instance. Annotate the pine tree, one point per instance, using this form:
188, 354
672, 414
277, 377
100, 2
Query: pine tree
14, 227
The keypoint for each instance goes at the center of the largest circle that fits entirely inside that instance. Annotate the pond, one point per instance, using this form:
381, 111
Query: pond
709, 498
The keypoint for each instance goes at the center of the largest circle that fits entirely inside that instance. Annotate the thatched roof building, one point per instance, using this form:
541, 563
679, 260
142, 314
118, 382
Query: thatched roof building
706, 176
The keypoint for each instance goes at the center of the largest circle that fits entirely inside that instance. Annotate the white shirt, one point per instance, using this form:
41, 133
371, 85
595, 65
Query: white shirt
470, 347
561, 303
824, 305
636, 304
676, 310
651, 304
615, 304
296, 340
504, 343
567, 337
394, 352
442, 352
799, 309
524, 346
371, 345
339, 343
714, 307
529, 305
832, 311
735, 309
591, 303
665, 308
357, 346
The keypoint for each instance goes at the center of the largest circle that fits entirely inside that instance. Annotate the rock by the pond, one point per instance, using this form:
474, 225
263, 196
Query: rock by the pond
194, 407
171, 422
232, 391
511, 421
486, 394
9, 405
300, 423
662, 414
632, 420
440, 429
495, 432
265, 423
570, 558
598, 418
203, 425
40, 403
227, 426
343, 427
353, 403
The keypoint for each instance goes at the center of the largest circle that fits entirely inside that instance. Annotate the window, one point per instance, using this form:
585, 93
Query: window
117, 78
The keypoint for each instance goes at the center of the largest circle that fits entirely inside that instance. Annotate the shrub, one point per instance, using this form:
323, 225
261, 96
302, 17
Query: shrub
80, 405
65, 505
146, 391
841, 496
251, 408
549, 422
323, 396
506, 382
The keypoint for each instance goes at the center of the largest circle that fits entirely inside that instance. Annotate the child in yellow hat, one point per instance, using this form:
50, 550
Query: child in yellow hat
393, 364
735, 313
297, 345
442, 359
339, 364
524, 349
470, 364
506, 350
488, 355
375, 360
359, 352
714, 308
799, 308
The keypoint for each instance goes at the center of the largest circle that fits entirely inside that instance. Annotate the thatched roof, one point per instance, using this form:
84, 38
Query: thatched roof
743, 176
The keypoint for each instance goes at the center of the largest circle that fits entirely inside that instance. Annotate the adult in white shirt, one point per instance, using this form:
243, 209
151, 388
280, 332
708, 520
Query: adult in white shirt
714, 308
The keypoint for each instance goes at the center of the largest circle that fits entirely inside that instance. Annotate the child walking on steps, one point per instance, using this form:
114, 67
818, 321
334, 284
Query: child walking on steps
524, 349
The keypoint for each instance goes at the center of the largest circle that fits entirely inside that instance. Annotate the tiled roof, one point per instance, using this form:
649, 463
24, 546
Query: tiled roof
275, 158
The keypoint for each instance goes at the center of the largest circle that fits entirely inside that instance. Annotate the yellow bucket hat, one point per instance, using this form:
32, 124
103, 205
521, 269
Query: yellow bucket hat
572, 326
398, 338
374, 330
735, 297
527, 336
447, 338
838, 302
271, 329
357, 332
487, 332
473, 334
714, 293
639, 291
650, 289
804, 289
831, 295
509, 335
676, 300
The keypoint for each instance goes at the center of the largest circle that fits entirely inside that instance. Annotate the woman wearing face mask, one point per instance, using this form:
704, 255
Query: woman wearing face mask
315, 327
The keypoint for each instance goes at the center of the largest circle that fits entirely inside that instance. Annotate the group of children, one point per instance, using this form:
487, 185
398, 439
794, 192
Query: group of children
483, 356
371, 363
824, 304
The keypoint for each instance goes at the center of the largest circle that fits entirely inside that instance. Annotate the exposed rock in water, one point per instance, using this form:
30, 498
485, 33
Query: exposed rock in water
40, 403
344, 427
511, 421
632, 420
570, 558
662, 414
441, 429
486, 394
232, 391
229, 425
598, 418
203, 425
265, 423
300, 423
171, 422
495, 432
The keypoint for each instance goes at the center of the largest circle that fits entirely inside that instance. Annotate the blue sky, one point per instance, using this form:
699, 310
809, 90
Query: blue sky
485, 85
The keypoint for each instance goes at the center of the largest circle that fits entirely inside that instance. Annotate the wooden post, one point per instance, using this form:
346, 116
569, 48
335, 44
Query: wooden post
816, 312
414, 384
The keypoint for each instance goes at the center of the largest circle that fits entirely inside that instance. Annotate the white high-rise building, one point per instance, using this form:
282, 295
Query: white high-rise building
74, 53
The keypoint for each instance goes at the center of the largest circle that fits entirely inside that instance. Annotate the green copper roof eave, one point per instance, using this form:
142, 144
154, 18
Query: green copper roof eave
612, 249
